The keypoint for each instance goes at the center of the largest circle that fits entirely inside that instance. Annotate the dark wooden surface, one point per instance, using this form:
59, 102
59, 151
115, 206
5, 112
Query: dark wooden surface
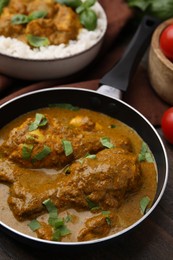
153, 239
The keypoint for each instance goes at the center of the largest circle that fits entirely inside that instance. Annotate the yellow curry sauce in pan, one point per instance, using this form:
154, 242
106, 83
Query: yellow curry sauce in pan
69, 174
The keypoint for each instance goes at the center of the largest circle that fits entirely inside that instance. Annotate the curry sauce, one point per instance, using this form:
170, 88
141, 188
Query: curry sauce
73, 174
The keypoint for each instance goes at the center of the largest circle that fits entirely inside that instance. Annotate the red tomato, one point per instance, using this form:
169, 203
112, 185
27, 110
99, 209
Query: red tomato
166, 42
167, 124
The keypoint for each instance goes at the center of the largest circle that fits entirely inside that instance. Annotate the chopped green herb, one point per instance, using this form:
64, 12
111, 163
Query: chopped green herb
106, 213
60, 232
36, 41
56, 235
23, 19
144, 204
87, 156
70, 3
57, 223
67, 170
19, 19
64, 231
91, 156
36, 15
108, 220
41, 155
105, 141
34, 225
53, 212
145, 154
26, 151
68, 218
112, 126
40, 120
92, 205
30, 137
51, 208
107, 217
68, 149
65, 106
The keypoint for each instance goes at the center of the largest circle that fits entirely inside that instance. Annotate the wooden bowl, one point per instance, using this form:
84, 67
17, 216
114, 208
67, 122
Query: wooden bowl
160, 68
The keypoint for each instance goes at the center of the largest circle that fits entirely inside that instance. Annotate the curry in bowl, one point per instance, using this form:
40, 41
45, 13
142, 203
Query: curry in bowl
70, 174
49, 29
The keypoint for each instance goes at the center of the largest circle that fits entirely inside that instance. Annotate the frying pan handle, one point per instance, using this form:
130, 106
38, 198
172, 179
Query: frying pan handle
120, 75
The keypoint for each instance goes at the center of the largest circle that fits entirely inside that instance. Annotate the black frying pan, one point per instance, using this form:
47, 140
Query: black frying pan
111, 106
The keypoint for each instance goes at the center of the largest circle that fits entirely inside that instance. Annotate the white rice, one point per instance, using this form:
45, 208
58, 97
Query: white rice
85, 40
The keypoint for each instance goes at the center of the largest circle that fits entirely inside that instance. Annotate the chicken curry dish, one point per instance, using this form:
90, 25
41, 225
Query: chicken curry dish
70, 174
39, 22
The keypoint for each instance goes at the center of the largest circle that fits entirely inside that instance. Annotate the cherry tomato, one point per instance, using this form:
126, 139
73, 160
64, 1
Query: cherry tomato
166, 42
167, 124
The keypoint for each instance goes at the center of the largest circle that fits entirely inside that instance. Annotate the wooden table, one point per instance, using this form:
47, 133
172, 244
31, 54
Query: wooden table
153, 239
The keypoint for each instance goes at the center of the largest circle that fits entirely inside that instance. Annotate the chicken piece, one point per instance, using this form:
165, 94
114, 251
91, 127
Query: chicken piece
105, 181
60, 25
21, 141
67, 20
18, 6
8, 172
97, 226
42, 5
8, 29
29, 6
41, 27
50, 136
61, 28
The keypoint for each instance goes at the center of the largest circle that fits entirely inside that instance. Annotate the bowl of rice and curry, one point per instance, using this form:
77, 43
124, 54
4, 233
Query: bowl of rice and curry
46, 39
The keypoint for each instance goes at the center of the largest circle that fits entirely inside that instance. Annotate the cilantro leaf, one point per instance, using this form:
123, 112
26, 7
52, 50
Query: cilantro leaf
105, 141
144, 204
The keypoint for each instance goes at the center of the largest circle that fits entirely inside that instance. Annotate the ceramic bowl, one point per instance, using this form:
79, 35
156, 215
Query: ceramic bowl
160, 68
44, 69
